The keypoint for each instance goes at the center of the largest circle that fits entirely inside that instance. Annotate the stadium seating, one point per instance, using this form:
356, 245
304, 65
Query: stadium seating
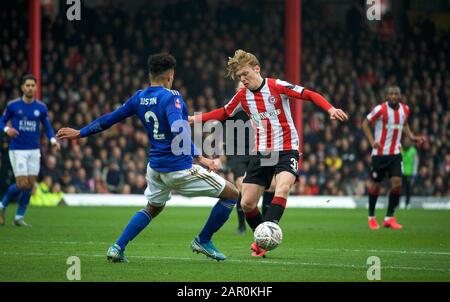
90, 68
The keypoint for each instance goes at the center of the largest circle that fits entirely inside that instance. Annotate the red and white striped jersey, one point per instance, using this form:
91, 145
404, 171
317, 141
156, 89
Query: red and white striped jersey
270, 114
388, 127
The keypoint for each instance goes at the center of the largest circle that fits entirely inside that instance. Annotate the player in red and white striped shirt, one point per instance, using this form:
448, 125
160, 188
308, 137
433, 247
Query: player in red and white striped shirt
390, 120
266, 102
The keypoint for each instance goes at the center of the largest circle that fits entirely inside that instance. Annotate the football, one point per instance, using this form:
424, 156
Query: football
268, 235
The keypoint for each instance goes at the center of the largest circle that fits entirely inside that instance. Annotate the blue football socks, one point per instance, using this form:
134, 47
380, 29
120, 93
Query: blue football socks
24, 200
139, 221
219, 215
11, 193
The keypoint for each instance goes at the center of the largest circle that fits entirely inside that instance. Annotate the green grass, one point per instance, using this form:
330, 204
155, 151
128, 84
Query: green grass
318, 245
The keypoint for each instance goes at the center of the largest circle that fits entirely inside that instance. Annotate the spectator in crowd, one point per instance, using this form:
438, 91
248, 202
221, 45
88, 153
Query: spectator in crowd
50, 168
86, 75
47, 193
80, 183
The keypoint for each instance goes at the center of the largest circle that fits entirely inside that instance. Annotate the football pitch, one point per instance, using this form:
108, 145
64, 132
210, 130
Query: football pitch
318, 245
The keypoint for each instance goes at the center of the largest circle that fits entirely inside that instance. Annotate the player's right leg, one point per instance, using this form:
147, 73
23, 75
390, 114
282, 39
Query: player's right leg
257, 179
24, 200
137, 223
251, 193
11, 193
377, 171
394, 198
373, 189
157, 194
20, 166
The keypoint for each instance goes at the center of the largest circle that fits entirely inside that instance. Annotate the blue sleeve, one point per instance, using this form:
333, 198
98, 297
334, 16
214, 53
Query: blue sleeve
6, 116
107, 120
48, 127
174, 113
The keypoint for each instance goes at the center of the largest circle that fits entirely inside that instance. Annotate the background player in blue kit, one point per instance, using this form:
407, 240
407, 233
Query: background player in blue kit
26, 113
164, 115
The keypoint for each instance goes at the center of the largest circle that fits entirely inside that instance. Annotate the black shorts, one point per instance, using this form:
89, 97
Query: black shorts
392, 164
262, 175
238, 165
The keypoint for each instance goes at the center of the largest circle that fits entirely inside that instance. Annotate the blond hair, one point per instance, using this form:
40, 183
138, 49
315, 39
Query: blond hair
241, 59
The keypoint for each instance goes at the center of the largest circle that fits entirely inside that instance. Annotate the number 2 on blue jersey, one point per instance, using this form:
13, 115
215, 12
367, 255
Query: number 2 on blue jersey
150, 114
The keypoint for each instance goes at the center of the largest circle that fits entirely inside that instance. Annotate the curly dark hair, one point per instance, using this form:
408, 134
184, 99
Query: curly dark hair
160, 63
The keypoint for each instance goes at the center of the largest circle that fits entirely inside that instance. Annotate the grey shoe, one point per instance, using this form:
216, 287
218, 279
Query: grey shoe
21, 223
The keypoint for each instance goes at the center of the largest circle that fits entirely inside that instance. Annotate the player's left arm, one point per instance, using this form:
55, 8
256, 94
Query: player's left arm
221, 114
49, 130
178, 125
299, 92
102, 123
416, 138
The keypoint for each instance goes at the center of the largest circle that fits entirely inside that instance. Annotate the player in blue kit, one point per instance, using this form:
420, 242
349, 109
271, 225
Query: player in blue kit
26, 114
164, 115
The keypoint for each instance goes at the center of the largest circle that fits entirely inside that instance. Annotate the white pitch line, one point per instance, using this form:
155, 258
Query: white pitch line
242, 261
383, 251
82, 242
170, 244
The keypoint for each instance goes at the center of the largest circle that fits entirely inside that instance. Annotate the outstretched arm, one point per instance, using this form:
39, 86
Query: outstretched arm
221, 114
298, 92
100, 124
320, 101
218, 114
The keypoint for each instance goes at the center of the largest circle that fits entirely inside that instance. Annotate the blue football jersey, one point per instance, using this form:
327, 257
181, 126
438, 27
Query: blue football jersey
26, 118
164, 115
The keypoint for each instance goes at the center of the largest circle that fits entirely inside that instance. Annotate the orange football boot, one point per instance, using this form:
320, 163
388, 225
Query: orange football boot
257, 251
392, 223
373, 224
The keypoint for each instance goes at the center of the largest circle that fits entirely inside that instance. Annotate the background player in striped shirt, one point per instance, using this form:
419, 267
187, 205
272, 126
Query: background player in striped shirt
26, 114
390, 120
266, 102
